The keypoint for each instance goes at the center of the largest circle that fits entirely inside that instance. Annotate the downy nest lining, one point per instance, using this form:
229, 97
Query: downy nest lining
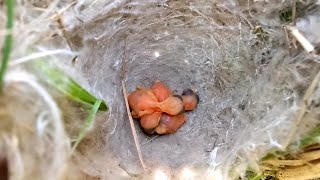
249, 82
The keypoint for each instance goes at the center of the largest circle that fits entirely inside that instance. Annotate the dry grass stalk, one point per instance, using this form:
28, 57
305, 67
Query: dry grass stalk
294, 11
302, 40
304, 108
125, 96
278, 163
305, 166
300, 172
133, 129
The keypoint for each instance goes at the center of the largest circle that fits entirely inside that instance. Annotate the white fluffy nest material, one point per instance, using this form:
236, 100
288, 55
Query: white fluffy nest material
250, 73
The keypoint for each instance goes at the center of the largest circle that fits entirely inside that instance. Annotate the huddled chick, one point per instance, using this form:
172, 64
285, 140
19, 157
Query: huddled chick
159, 110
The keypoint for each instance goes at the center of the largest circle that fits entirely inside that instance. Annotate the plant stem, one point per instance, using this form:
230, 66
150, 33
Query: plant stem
8, 40
88, 122
133, 129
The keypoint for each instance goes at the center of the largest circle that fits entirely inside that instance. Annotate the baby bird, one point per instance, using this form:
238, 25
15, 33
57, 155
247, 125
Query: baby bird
169, 124
161, 90
173, 105
159, 110
144, 102
150, 121
190, 99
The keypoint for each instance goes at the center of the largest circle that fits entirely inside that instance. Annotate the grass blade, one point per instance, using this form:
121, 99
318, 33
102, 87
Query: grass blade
8, 40
311, 138
88, 122
66, 85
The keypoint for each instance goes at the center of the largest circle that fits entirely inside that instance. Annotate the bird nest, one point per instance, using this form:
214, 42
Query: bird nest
249, 71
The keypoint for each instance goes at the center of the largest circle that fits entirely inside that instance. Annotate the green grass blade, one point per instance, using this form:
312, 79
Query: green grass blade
8, 40
257, 177
66, 85
311, 138
88, 122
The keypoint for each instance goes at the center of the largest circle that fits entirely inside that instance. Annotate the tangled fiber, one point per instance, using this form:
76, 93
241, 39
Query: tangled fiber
250, 73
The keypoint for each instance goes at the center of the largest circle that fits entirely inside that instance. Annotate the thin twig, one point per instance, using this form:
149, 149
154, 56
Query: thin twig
62, 10
61, 26
125, 95
302, 40
149, 140
63, 30
123, 73
287, 36
294, 11
278, 163
304, 108
133, 129
38, 55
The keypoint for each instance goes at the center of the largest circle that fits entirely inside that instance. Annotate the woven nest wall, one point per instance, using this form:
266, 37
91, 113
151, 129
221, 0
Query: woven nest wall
249, 72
